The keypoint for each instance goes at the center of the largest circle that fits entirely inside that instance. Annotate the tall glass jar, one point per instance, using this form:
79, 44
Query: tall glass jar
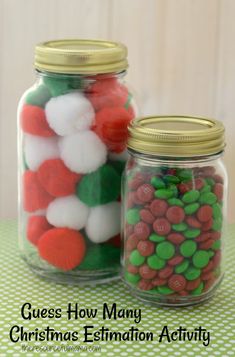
174, 191
72, 151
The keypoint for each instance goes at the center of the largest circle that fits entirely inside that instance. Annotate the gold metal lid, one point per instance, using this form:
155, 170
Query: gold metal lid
81, 56
177, 136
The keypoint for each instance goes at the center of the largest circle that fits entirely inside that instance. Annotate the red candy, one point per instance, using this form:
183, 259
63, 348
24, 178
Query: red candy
145, 192
165, 272
218, 190
209, 267
176, 260
107, 92
56, 178
199, 183
111, 126
175, 214
193, 222
145, 248
142, 230
204, 213
131, 242
37, 225
176, 238
207, 225
144, 285
146, 272
147, 216
132, 269
33, 121
62, 247
206, 245
115, 241
159, 282
177, 282
158, 207
193, 284
34, 195
161, 226
183, 187
203, 237
136, 181
207, 276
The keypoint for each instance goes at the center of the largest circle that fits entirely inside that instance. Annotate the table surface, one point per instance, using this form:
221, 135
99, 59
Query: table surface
19, 285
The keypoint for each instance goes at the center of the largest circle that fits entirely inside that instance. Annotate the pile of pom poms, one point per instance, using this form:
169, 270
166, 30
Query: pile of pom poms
74, 152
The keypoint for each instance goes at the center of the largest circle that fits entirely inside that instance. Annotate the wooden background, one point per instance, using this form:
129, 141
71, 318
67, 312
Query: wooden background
181, 54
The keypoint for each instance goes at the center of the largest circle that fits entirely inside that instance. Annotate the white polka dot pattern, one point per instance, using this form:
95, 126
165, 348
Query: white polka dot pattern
19, 285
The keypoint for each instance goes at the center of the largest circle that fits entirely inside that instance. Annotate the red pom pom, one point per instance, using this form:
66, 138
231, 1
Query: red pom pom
56, 178
111, 126
115, 241
107, 93
62, 247
33, 121
37, 225
34, 195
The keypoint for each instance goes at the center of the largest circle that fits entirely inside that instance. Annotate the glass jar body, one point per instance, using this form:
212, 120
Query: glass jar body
173, 228
72, 151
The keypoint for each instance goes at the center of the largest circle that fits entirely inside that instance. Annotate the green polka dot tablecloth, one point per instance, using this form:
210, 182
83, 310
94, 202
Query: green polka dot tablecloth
19, 286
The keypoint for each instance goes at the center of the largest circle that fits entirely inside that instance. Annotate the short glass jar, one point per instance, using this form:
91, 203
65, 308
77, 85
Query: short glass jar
72, 151
174, 192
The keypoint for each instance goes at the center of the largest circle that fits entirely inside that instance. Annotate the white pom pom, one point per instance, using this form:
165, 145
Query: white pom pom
122, 156
69, 113
67, 212
103, 222
82, 152
38, 149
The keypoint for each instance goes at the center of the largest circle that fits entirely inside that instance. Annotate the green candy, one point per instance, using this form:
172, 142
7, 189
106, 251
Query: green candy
136, 258
210, 181
165, 250
211, 253
164, 290
182, 267
180, 227
200, 259
132, 278
192, 273
216, 245
118, 166
171, 179
175, 202
185, 174
192, 233
208, 198
100, 256
188, 248
191, 208
217, 211
99, 187
154, 262
217, 224
164, 193
174, 189
198, 290
156, 238
157, 182
133, 216
205, 189
191, 196
38, 96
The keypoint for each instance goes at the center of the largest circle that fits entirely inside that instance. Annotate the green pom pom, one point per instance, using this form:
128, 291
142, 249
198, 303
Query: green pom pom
63, 84
100, 256
38, 96
118, 166
99, 187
